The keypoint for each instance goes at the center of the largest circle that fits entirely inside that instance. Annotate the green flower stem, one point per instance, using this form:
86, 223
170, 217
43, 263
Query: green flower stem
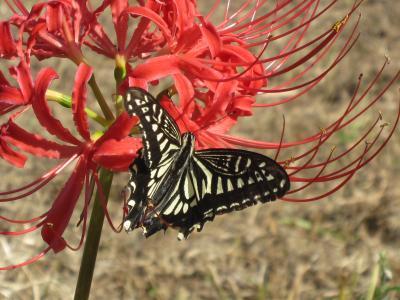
119, 75
66, 101
100, 99
88, 262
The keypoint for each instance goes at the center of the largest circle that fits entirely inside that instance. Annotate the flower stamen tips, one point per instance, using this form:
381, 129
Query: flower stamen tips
339, 24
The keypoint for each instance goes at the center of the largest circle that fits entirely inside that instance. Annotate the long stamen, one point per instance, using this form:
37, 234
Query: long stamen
27, 262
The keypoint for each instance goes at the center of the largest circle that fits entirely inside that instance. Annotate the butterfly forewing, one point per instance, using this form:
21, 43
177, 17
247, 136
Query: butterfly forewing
161, 136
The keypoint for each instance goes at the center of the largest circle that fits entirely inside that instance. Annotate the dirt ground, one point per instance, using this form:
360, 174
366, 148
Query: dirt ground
342, 247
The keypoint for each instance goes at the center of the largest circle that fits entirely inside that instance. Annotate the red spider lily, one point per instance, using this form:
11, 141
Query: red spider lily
114, 150
13, 97
217, 70
8, 47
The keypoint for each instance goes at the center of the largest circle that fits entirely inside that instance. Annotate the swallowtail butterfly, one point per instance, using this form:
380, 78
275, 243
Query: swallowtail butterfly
173, 185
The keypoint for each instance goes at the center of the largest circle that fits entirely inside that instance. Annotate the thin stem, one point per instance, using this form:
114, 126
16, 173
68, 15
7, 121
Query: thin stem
88, 262
65, 101
100, 99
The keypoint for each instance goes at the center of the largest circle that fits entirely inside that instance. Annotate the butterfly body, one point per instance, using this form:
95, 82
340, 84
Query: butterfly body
173, 185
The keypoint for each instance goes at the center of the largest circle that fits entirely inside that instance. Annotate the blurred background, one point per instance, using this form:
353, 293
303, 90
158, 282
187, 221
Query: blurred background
335, 248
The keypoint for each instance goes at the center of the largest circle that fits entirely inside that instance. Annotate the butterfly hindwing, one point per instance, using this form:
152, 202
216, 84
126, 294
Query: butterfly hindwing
219, 181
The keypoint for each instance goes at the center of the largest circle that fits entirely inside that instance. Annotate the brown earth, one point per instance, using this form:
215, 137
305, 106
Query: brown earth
328, 249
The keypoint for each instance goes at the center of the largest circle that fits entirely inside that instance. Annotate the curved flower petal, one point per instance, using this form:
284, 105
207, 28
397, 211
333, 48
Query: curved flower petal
54, 16
157, 67
120, 21
9, 95
185, 91
62, 208
24, 79
151, 15
42, 110
162, 66
243, 56
79, 96
222, 98
8, 48
211, 36
242, 106
120, 129
8, 154
117, 155
37, 145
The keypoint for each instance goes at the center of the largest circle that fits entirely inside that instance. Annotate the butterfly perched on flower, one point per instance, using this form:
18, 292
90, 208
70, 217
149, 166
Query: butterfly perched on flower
174, 185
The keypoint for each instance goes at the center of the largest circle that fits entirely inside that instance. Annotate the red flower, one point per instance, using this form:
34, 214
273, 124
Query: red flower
12, 97
114, 150
8, 48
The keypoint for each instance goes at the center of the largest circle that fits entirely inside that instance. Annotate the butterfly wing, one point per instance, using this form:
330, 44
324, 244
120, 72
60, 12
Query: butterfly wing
161, 136
219, 181
161, 141
214, 181
137, 190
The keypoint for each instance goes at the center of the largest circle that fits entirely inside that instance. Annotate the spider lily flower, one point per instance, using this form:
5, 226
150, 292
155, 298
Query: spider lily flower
12, 97
306, 170
55, 28
114, 150
215, 73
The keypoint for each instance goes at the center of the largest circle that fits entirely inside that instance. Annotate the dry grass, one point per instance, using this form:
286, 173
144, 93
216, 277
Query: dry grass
324, 250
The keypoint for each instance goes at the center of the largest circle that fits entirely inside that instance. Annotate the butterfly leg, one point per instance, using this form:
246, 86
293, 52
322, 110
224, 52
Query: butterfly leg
152, 222
152, 226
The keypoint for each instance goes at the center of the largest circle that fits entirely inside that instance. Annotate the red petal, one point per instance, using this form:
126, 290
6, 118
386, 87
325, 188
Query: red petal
157, 67
222, 126
24, 79
117, 155
201, 70
151, 15
63, 207
10, 155
37, 145
120, 21
185, 91
242, 55
54, 17
222, 98
8, 47
120, 129
79, 96
42, 110
9, 94
242, 106
211, 36
138, 82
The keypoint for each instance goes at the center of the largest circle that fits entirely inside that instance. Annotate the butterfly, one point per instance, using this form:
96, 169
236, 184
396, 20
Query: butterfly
174, 185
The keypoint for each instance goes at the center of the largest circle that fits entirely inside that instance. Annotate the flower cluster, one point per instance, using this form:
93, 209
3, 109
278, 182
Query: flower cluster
215, 69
